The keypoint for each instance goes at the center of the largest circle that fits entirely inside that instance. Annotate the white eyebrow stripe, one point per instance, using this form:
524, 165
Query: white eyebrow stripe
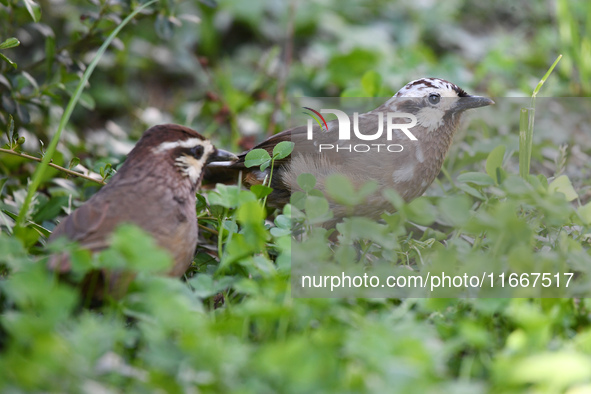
190, 143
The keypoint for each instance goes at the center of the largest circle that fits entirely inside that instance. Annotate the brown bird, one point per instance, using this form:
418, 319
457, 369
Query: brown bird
155, 190
409, 168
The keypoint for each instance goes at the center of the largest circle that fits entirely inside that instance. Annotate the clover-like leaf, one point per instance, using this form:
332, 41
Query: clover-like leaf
306, 181
282, 150
257, 157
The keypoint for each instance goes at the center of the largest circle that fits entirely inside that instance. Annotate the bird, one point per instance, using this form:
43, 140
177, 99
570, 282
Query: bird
409, 169
155, 189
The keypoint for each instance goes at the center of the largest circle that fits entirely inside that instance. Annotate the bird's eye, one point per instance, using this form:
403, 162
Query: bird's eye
197, 151
434, 98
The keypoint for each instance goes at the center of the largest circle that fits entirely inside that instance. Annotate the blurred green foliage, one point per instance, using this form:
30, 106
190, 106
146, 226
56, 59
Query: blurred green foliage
226, 69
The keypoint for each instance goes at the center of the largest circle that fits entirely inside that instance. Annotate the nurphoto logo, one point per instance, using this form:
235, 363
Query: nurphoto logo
363, 133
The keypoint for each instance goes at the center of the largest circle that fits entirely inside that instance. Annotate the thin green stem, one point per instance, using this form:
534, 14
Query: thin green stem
269, 183
544, 78
526, 126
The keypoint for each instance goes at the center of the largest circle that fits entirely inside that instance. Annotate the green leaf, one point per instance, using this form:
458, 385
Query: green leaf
265, 165
455, 209
298, 199
340, 188
139, 250
9, 43
494, 161
87, 101
261, 191
477, 178
316, 207
394, 198
13, 64
73, 163
421, 211
251, 213
306, 181
34, 10
371, 82
471, 191
230, 196
257, 157
205, 286
563, 185
282, 150
585, 212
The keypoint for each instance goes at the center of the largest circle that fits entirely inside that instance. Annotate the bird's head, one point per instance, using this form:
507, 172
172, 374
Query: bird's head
436, 102
177, 147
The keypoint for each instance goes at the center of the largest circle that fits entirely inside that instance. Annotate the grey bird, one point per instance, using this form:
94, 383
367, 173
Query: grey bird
155, 190
438, 106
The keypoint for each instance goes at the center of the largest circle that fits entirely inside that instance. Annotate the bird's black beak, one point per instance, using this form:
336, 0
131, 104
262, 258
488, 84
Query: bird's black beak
468, 102
222, 155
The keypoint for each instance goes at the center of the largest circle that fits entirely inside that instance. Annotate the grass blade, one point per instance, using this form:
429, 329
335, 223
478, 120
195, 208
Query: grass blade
38, 175
526, 125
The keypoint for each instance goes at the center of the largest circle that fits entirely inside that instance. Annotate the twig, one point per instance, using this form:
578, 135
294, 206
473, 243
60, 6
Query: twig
207, 229
283, 73
24, 155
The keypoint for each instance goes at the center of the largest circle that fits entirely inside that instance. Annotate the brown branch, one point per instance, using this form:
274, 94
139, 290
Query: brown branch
67, 171
207, 229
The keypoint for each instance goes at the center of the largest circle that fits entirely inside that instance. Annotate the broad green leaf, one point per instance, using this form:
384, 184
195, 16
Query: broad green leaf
421, 211
251, 213
455, 209
494, 161
585, 212
139, 250
298, 199
394, 198
306, 181
560, 369
265, 165
371, 82
563, 185
316, 207
229, 196
282, 150
205, 286
477, 178
256, 157
340, 188
261, 191
283, 221
471, 191
9, 43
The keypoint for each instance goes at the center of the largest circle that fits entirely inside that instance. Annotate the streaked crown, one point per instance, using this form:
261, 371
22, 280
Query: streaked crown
425, 86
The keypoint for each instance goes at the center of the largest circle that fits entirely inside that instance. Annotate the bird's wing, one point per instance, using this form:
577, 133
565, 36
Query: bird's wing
84, 223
